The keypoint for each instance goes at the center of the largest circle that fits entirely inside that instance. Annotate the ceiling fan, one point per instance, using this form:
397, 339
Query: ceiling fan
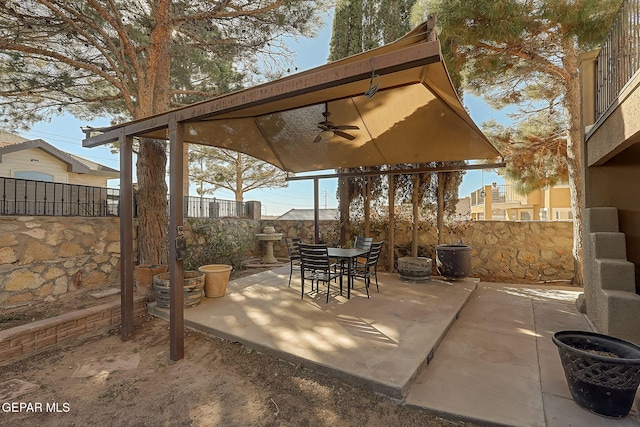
328, 129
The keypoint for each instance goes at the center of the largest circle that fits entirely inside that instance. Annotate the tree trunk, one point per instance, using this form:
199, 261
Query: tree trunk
415, 201
440, 212
153, 213
574, 151
151, 166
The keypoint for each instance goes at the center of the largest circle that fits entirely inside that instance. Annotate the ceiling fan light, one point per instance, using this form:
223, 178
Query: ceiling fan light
326, 134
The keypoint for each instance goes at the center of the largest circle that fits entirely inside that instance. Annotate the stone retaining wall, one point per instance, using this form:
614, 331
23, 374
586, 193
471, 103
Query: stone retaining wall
25, 340
49, 256
510, 251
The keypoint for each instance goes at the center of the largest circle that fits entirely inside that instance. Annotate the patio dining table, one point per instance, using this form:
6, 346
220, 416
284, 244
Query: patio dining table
347, 254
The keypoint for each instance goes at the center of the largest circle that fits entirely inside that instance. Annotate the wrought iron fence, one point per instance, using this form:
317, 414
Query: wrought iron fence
619, 56
202, 207
40, 198
28, 197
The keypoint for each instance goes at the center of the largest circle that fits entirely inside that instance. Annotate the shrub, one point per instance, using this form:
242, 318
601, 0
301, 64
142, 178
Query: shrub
218, 242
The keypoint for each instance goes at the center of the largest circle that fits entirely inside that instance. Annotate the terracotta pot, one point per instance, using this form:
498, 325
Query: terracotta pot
143, 274
216, 279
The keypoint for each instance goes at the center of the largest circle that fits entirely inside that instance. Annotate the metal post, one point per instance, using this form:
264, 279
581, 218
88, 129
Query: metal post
316, 211
126, 240
392, 222
176, 266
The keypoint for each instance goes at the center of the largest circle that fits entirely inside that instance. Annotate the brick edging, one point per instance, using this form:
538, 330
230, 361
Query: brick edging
35, 337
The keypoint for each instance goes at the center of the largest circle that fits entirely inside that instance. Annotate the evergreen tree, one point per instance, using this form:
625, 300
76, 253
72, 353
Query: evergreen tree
527, 53
133, 59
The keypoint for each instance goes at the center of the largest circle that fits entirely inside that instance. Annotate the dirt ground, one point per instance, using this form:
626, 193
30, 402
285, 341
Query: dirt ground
104, 381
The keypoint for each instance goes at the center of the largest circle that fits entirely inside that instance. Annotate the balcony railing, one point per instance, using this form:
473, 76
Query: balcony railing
619, 56
499, 194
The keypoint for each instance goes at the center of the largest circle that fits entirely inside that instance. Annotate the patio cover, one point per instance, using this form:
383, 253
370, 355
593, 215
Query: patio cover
399, 96
414, 117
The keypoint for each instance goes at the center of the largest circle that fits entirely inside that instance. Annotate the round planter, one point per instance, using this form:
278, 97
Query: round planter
143, 274
193, 284
216, 279
414, 269
603, 372
453, 261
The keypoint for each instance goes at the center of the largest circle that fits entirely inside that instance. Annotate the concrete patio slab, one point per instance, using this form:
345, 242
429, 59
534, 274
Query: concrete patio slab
495, 364
487, 367
503, 369
382, 342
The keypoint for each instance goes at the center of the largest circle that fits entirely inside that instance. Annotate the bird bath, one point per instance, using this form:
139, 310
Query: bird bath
269, 238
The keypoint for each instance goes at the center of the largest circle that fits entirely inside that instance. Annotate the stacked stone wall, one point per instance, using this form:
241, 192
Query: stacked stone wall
49, 256
509, 251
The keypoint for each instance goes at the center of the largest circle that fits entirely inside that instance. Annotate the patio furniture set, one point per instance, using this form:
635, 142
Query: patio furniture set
320, 263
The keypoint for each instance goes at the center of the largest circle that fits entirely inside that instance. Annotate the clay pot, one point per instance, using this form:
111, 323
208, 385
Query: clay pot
143, 274
216, 279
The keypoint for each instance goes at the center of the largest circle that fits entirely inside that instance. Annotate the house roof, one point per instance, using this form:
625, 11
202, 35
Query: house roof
74, 163
308, 214
399, 97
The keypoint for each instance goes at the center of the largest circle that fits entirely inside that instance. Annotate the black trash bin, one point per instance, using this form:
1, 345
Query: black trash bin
603, 372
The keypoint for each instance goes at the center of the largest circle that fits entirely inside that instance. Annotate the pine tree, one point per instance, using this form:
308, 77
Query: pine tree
527, 53
133, 59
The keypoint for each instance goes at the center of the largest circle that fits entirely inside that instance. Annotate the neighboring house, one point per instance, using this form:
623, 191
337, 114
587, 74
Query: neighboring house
36, 178
502, 202
40, 161
611, 146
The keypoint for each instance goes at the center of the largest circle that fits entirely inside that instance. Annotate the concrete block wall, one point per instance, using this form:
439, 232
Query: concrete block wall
35, 337
612, 304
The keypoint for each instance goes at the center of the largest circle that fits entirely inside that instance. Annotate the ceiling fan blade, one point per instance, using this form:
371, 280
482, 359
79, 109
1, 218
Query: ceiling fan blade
346, 127
344, 135
318, 139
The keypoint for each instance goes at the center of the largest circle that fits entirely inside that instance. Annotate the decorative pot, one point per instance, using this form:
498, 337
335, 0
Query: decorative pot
603, 372
216, 279
143, 274
269, 230
193, 284
453, 261
414, 269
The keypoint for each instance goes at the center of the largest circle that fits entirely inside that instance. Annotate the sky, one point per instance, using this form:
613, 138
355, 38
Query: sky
64, 133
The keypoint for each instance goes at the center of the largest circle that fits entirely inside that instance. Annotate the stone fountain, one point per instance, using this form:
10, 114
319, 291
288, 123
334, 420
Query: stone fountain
269, 236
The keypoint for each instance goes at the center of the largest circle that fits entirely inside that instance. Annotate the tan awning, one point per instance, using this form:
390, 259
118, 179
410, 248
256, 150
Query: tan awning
414, 117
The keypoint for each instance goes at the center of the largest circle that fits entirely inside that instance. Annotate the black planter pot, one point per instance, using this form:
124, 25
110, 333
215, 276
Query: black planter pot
453, 261
603, 372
